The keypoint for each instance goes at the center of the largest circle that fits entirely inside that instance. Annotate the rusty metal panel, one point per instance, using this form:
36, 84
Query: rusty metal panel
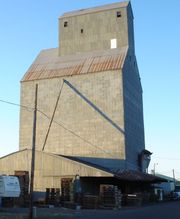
54, 66
136, 176
86, 65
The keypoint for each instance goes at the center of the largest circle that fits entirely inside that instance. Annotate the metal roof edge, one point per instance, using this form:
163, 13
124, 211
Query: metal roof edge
42, 52
86, 163
15, 152
96, 9
50, 57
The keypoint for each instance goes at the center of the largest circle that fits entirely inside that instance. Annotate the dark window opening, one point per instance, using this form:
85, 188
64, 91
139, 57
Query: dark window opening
118, 14
65, 24
82, 30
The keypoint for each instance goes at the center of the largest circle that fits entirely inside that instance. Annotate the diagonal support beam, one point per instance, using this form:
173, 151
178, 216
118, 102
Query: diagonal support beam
57, 101
91, 104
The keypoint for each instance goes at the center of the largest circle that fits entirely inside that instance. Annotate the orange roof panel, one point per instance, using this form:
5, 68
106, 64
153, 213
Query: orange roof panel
49, 65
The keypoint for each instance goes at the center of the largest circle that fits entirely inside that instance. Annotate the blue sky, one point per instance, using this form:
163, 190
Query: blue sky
27, 27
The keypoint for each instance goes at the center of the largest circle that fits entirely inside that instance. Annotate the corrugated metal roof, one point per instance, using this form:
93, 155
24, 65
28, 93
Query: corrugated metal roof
96, 9
137, 176
122, 174
49, 65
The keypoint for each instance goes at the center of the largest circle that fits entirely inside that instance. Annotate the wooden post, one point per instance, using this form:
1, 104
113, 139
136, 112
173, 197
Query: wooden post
33, 156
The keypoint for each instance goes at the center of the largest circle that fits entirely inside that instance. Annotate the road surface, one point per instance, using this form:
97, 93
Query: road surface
170, 210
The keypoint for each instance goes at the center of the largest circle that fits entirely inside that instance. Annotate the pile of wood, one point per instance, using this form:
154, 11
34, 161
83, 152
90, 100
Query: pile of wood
110, 196
66, 189
23, 200
90, 202
52, 196
8, 202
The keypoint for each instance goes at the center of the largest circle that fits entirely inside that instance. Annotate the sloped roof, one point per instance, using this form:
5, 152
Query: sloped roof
122, 174
96, 9
49, 65
92, 169
137, 176
168, 178
20, 159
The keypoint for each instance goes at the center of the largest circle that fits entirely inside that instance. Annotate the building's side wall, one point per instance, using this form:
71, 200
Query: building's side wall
89, 135
98, 30
49, 169
133, 111
130, 24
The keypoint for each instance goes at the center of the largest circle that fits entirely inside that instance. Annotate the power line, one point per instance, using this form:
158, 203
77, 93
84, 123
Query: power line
58, 123
167, 158
88, 142
51, 120
15, 104
61, 124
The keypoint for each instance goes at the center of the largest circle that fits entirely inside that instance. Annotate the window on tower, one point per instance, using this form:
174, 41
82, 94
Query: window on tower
113, 43
65, 24
118, 14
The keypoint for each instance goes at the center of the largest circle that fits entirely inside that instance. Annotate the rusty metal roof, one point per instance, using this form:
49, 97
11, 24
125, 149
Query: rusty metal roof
96, 9
137, 176
122, 174
49, 65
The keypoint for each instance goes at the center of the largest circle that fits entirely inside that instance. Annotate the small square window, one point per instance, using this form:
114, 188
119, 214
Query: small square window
118, 14
82, 31
113, 43
65, 24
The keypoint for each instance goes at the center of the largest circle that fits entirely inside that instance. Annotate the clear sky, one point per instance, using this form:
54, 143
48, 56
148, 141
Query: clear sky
27, 27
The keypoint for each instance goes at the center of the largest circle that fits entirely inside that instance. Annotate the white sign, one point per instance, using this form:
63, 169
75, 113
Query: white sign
9, 186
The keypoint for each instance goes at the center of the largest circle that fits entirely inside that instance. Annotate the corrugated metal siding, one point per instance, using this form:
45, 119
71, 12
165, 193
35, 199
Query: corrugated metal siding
50, 66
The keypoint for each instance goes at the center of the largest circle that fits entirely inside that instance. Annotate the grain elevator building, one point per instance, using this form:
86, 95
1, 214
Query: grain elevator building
90, 88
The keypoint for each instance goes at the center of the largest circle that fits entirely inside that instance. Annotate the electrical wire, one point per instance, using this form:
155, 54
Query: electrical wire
15, 104
58, 123
86, 141
61, 124
167, 158
51, 120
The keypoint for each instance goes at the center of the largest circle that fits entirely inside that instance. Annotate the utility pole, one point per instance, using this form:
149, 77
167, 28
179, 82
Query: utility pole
155, 168
174, 179
33, 156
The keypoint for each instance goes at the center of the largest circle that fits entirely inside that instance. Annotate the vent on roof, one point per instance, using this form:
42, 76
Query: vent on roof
82, 31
